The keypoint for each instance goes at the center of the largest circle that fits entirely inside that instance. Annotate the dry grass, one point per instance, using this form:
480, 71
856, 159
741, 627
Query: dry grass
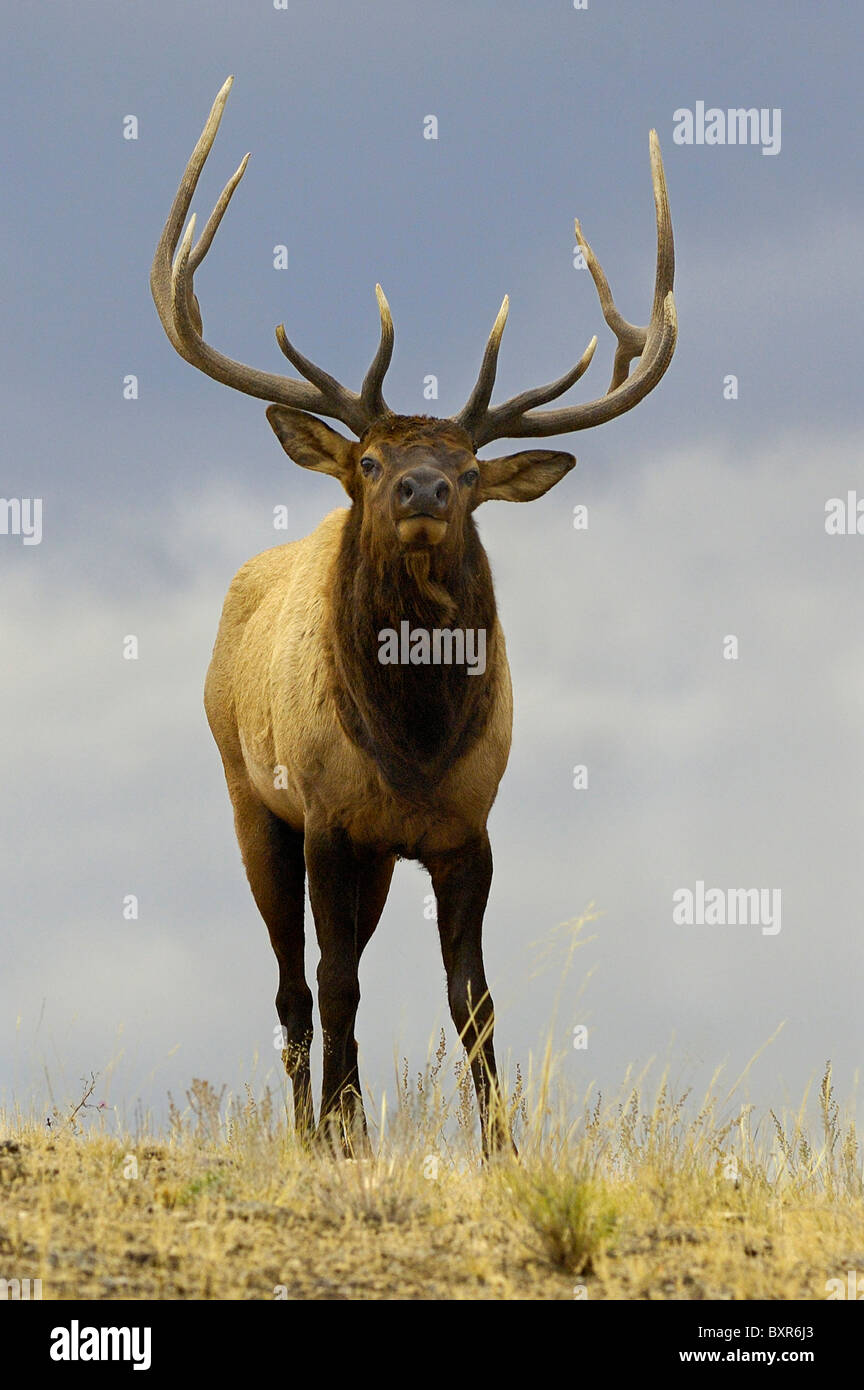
640, 1198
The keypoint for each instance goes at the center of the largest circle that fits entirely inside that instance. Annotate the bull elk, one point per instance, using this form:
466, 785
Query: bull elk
337, 762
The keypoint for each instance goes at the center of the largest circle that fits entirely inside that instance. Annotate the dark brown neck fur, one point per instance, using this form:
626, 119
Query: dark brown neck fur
416, 721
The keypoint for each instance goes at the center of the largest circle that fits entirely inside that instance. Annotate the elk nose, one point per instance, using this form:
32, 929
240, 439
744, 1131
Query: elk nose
423, 491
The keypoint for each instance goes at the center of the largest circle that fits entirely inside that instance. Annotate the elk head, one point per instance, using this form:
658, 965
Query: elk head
414, 480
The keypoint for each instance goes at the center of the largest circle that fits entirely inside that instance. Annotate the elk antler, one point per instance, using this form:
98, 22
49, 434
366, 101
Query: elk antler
653, 346
177, 306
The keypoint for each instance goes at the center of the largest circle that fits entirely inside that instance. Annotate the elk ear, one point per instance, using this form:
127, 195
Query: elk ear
522, 477
311, 443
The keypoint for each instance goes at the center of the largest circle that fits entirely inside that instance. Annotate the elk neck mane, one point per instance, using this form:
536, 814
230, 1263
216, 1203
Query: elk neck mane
415, 721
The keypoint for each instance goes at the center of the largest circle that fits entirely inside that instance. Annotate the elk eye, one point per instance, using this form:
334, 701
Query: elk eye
470, 478
371, 467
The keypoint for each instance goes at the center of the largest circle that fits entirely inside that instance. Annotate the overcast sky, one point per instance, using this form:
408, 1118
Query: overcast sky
706, 515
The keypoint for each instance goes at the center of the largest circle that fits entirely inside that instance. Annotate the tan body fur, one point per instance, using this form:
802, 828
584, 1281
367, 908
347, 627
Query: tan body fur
270, 706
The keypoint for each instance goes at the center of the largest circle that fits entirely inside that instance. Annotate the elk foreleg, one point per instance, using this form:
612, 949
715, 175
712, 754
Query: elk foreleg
334, 891
273, 857
461, 880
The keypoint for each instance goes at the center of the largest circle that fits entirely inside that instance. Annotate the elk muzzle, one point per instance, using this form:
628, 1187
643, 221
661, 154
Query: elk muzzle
422, 507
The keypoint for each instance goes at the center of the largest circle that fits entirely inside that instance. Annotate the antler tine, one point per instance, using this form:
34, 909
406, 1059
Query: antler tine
326, 384
541, 395
202, 246
477, 405
371, 397
172, 286
370, 392
653, 345
665, 273
631, 338
199, 251
160, 272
